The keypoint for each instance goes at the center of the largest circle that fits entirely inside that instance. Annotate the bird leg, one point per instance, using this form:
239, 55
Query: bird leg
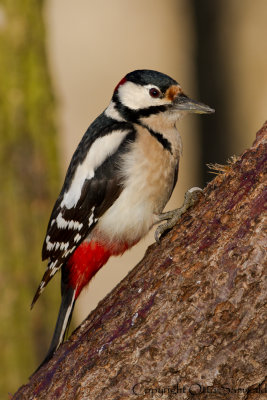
191, 197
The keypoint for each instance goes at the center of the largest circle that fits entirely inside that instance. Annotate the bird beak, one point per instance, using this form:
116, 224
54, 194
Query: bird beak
184, 103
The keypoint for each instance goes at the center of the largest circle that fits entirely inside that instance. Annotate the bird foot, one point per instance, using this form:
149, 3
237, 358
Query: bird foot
172, 217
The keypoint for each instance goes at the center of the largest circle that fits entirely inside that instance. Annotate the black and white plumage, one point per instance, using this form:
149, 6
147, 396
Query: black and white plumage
92, 184
118, 182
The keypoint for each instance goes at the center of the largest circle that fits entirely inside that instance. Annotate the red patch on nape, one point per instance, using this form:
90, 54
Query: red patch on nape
120, 83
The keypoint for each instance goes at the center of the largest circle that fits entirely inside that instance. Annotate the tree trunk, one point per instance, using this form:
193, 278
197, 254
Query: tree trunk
28, 182
190, 320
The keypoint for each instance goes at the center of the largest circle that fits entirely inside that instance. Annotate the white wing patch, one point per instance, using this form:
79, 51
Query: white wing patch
100, 150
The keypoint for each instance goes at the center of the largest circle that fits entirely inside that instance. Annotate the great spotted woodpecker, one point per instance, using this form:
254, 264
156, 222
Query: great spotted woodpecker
119, 180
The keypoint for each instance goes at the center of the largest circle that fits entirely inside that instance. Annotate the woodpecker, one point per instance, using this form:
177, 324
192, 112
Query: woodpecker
119, 180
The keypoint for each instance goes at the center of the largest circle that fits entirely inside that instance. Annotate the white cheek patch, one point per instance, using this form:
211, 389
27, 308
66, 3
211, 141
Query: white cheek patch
100, 150
136, 97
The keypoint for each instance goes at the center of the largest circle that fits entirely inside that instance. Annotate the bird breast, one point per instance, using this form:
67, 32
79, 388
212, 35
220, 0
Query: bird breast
147, 171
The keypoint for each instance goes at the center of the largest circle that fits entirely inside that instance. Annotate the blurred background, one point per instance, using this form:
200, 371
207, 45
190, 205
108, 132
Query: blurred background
59, 63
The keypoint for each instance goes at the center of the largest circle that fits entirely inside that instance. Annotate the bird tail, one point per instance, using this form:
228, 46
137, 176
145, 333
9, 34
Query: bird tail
63, 322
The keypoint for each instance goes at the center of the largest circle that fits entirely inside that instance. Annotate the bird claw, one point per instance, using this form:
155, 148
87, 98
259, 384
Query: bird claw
172, 217
160, 230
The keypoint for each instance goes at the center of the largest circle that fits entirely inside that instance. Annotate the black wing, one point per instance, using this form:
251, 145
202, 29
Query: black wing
68, 227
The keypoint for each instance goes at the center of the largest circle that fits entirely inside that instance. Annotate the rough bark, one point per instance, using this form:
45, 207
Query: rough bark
190, 318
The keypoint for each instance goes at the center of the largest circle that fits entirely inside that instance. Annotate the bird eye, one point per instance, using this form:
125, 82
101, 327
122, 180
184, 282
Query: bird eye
154, 92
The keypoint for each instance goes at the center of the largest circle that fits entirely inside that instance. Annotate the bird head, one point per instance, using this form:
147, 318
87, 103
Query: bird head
142, 94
